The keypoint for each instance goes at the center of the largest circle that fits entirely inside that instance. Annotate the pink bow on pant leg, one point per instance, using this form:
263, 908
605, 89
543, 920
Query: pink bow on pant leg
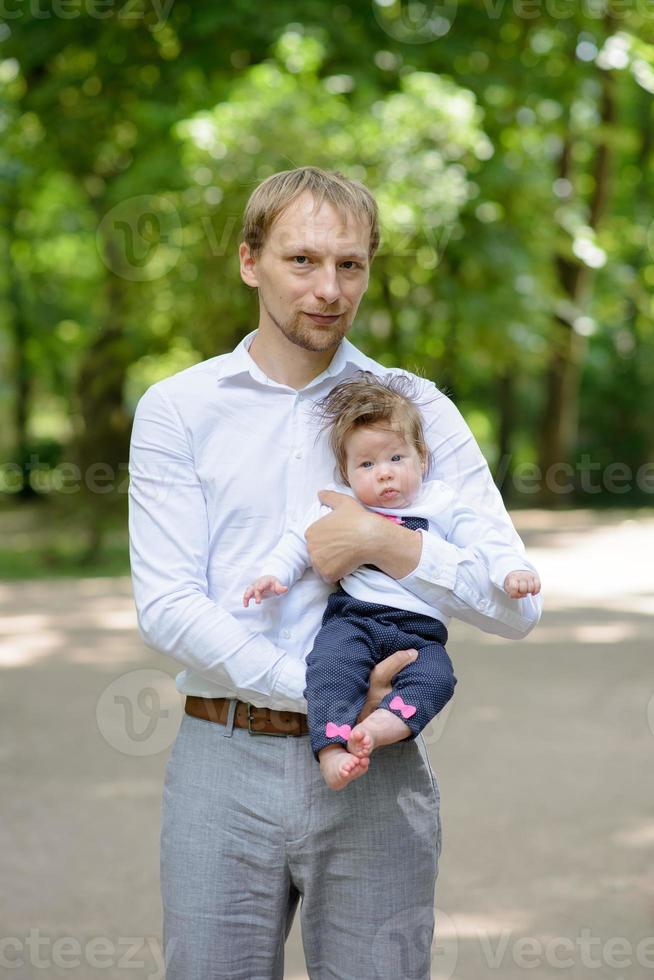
406, 710
332, 730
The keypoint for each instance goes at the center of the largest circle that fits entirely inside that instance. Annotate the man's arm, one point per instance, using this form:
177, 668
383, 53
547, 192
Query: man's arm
452, 578
476, 560
169, 551
458, 462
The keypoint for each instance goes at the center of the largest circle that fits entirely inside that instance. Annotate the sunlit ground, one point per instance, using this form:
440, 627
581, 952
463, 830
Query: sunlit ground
585, 557
544, 762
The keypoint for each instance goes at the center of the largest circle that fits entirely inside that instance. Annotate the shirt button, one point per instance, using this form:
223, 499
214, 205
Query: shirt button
286, 634
298, 454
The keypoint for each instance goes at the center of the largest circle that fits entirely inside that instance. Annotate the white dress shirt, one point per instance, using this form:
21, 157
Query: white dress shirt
223, 461
445, 516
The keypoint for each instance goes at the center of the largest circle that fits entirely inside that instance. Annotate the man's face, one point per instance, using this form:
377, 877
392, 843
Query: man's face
311, 274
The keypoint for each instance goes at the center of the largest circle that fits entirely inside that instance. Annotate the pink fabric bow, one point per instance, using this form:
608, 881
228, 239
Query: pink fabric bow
392, 517
332, 730
406, 710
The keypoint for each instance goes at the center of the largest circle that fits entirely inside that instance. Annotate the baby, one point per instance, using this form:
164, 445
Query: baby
376, 434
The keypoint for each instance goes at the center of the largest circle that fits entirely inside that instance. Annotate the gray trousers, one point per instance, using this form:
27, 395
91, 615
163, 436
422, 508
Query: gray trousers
249, 829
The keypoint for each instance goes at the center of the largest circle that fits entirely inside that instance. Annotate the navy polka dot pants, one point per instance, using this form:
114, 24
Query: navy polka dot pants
354, 637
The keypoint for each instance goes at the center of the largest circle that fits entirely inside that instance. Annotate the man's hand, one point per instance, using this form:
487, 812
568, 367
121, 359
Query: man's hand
381, 679
521, 583
263, 588
352, 536
337, 542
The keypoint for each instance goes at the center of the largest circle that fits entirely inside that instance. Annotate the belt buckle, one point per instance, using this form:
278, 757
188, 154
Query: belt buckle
253, 732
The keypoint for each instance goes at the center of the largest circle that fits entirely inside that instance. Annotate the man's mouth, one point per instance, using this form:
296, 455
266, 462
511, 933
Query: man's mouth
324, 319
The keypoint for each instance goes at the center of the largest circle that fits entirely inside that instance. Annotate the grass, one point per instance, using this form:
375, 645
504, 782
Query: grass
51, 538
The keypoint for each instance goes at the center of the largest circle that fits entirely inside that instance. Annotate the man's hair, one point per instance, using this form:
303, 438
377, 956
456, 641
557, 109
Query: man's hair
271, 197
369, 400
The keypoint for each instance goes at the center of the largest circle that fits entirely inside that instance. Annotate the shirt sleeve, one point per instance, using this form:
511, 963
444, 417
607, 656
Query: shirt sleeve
451, 574
169, 551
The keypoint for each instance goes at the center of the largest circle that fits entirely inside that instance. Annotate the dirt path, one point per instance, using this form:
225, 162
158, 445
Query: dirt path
544, 763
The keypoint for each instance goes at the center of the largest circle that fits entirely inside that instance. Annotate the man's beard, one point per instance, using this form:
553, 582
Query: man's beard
314, 338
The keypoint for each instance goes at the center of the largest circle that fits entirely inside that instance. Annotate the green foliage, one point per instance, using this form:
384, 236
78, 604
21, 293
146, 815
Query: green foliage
511, 155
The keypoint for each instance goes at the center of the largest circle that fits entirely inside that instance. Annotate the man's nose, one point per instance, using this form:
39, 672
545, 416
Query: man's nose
327, 288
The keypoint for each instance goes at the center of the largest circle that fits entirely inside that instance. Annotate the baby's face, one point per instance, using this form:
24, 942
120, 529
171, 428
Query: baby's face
383, 469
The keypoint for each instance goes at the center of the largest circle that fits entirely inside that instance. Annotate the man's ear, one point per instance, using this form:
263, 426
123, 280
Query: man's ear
248, 265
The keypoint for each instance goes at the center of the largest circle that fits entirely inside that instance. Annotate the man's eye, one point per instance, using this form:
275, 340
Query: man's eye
350, 264
301, 259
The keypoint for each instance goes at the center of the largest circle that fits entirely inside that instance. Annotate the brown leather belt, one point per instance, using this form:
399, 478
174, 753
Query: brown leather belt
258, 721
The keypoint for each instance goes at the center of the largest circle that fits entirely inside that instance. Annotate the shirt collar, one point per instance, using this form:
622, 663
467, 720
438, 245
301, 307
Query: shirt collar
240, 362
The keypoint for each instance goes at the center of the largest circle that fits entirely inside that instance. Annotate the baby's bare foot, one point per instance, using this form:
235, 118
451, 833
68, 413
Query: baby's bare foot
339, 767
361, 742
382, 727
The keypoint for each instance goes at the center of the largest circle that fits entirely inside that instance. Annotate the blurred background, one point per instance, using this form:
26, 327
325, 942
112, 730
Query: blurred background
510, 146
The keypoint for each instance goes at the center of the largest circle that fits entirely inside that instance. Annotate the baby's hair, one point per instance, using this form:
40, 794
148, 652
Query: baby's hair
365, 400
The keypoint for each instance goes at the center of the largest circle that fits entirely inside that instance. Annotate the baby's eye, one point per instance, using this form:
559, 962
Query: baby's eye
366, 464
396, 458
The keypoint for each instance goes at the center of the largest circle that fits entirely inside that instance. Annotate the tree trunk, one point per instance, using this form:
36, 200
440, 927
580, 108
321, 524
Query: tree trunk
103, 444
562, 378
21, 368
22, 396
505, 430
450, 369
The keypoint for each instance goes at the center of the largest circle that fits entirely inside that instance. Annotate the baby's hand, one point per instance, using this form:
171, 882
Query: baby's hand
521, 583
263, 588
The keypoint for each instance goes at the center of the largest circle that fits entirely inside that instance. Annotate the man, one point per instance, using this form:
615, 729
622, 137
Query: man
224, 458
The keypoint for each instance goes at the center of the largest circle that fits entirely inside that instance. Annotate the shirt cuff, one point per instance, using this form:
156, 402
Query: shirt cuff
437, 565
